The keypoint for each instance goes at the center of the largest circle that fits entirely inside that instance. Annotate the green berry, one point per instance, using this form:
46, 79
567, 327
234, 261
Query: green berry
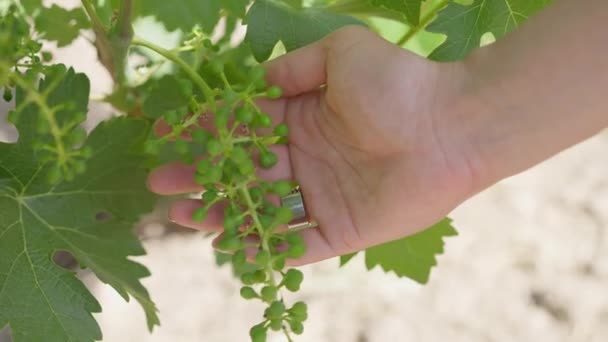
281, 130
296, 327
293, 279
262, 120
46, 56
214, 147
209, 196
259, 276
244, 115
269, 293
239, 258
248, 292
54, 175
229, 243
279, 263
8, 94
276, 324
283, 215
257, 73
200, 214
258, 333
276, 309
262, 258
248, 278
282, 188
268, 159
274, 92
239, 154
299, 311
77, 136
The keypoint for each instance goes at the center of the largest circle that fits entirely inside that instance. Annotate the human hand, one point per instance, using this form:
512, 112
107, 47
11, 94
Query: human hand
366, 144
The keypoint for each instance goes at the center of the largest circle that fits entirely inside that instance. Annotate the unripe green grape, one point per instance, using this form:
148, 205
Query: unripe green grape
282, 188
229, 243
276, 324
268, 159
259, 276
278, 263
239, 258
46, 56
283, 215
221, 117
203, 166
214, 147
274, 92
256, 193
171, 117
276, 309
7, 95
293, 279
239, 154
257, 73
248, 278
244, 115
181, 147
246, 167
248, 293
269, 293
209, 196
281, 130
258, 333
262, 120
299, 311
77, 136
229, 96
200, 214
262, 258
296, 327
296, 251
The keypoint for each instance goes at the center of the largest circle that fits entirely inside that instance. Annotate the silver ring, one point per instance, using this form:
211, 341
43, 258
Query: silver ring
295, 202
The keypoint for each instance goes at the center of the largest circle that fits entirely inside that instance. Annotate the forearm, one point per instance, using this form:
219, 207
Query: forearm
540, 90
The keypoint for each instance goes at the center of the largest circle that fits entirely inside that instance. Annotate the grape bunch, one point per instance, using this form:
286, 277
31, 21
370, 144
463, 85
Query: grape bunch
236, 138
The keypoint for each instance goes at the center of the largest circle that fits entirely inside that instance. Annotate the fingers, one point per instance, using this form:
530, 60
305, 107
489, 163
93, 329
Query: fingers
301, 70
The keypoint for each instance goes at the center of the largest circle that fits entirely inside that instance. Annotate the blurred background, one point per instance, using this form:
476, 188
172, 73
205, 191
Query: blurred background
530, 264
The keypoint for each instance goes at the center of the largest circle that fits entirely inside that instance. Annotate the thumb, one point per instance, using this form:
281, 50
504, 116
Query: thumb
301, 70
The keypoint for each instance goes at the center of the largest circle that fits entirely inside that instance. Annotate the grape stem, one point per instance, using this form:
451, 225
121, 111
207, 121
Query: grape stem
98, 26
33, 95
194, 76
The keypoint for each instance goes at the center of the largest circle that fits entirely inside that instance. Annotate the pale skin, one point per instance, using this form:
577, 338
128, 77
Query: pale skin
385, 143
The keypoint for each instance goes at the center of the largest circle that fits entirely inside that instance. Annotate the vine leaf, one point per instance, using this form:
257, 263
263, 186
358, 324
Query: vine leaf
61, 25
90, 217
413, 256
189, 13
409, 8
465, 25
269, 22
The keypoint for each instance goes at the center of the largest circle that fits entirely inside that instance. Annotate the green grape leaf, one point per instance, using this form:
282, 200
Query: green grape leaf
60, 25
270, 21
166, 94
186, 14
409, 8
90, 217
465, 25
413, 256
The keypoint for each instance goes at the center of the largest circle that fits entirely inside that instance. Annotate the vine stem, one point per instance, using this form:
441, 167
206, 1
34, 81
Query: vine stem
424, 22
92, 13
194, 76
